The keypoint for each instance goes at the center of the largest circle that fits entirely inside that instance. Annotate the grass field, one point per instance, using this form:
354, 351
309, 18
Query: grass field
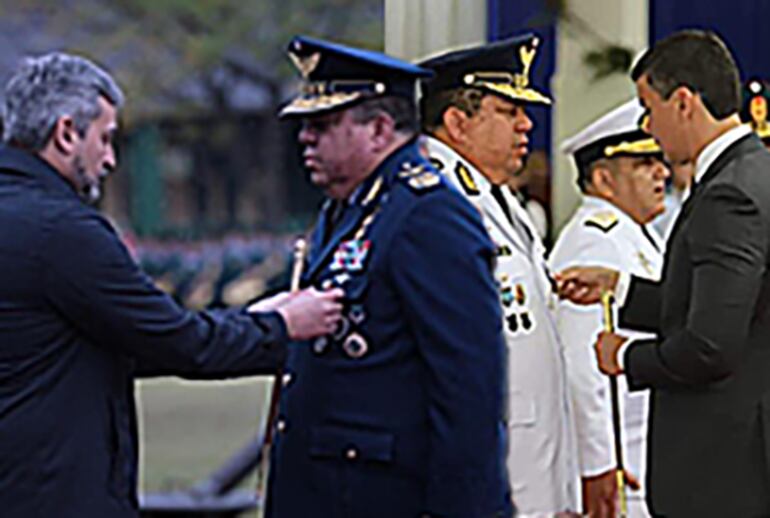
188, 429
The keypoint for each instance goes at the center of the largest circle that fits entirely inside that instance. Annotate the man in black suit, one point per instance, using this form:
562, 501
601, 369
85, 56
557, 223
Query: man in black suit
709, 368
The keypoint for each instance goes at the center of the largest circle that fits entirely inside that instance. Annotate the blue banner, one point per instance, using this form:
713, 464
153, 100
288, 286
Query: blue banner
741, 23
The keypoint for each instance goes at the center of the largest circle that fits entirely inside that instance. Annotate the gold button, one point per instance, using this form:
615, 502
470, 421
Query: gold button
280, 425
286, 379
351, 454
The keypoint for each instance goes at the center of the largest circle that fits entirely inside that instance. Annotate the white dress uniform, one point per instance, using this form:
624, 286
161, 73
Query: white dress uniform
601, 234
542, 459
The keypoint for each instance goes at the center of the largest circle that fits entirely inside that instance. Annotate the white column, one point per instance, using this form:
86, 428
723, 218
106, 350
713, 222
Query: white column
578, 98
417, 28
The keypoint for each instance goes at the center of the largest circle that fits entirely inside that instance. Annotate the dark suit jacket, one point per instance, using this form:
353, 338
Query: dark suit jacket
709, 435
77, 318
411, 423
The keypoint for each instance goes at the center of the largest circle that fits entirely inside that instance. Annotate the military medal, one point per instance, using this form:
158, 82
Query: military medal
350, 255
357, 314
521, 296
355, 346
526, 321
341, 279
513, 323
506, 296
342, 329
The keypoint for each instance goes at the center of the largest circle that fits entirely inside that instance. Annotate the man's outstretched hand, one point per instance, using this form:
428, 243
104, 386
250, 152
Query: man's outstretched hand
307, 313
585, 284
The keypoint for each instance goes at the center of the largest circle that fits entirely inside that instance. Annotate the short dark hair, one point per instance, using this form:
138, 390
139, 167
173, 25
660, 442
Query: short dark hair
586, 172
402, 110
432, 107
698, 60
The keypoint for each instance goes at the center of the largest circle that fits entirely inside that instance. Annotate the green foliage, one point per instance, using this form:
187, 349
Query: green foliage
154, 46
608, 60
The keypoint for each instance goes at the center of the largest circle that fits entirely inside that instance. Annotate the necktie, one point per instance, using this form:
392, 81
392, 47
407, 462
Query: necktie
518, 226
649, 237
333, 217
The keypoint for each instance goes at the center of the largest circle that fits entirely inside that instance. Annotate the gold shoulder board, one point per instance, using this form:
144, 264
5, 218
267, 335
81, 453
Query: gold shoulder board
604, 221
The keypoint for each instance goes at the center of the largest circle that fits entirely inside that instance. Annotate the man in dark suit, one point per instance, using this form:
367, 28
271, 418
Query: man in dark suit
400, 412
78, 319
709, 369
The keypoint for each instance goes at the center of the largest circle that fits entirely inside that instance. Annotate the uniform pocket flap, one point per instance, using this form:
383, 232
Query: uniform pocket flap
350, 443
523, 409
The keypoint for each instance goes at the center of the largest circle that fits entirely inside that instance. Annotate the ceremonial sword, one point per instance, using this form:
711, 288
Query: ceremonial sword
298, 261
609, 327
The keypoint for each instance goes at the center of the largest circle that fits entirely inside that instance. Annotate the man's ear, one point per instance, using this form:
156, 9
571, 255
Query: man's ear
64, 135
685, 101
455, 122
383, 129
603, 181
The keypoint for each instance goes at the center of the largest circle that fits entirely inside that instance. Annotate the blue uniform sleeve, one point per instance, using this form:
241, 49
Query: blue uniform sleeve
92, 281
441, 264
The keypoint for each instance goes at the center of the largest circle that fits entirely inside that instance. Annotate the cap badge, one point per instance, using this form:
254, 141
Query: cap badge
306, 64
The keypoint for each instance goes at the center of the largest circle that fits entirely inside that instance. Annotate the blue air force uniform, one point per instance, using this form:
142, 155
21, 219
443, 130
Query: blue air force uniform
400, 412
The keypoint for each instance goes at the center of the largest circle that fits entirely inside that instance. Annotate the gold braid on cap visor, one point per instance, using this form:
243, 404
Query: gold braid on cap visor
640, 147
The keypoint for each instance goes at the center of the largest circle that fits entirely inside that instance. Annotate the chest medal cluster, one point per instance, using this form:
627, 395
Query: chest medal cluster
518, 318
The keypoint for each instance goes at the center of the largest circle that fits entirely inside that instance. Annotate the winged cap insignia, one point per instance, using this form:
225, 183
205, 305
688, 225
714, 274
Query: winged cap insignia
527, 56
306, 64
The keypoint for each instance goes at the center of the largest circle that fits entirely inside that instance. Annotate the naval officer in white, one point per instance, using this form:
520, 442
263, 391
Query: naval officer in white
622, 178
474, 115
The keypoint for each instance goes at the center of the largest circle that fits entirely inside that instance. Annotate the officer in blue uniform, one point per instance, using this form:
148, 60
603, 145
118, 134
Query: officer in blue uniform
400, 412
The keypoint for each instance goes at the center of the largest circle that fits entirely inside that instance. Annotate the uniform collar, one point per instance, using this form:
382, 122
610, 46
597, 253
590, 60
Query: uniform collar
30, 164
374, 185
474, 184
596, 204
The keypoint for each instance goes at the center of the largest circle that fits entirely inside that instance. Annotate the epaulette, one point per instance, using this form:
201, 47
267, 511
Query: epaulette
466, 180
604, 221
438, 164
419, 177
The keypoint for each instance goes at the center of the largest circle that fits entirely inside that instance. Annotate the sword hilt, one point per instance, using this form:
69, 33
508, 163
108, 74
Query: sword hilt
300, 249
609, 327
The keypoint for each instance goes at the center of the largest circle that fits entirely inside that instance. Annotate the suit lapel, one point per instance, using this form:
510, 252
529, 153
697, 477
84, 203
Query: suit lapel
738, 147
352, 218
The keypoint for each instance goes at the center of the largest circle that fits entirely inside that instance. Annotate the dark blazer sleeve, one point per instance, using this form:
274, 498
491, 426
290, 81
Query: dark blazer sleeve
92, 281
441, 268
642, 308
728, 247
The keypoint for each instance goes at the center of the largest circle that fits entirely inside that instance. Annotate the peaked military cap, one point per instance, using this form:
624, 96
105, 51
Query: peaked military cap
335, 76
501, 68
754, 111
617, 133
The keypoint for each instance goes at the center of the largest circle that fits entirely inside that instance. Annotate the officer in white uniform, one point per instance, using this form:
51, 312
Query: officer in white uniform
473, 113
622, 178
